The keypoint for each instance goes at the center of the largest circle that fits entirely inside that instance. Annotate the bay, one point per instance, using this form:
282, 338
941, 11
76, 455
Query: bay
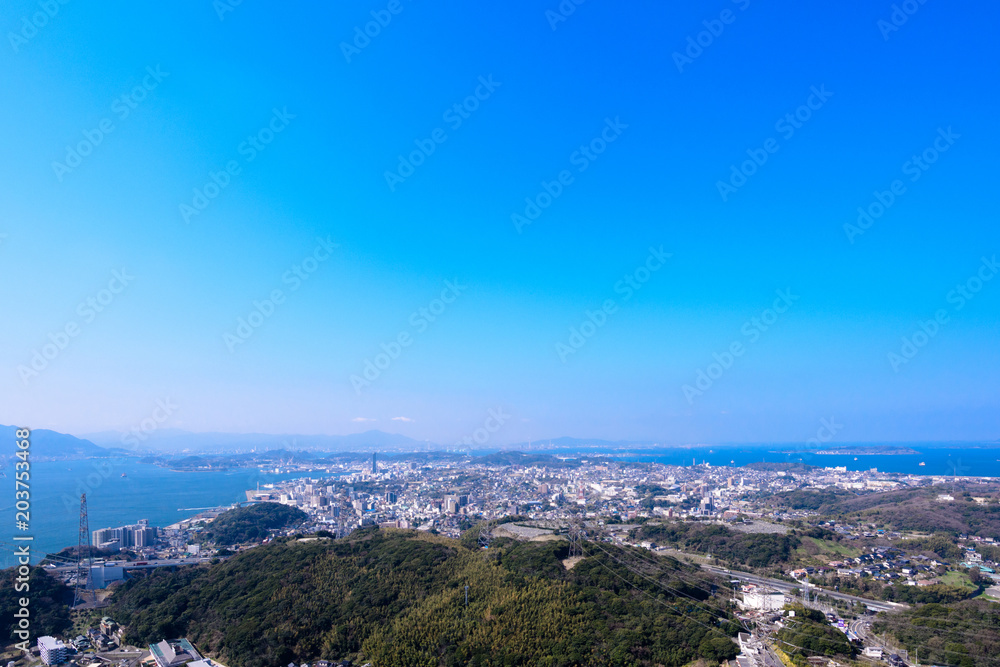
146, 491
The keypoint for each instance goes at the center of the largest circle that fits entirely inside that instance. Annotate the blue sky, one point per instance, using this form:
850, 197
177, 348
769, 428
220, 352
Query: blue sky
331, 120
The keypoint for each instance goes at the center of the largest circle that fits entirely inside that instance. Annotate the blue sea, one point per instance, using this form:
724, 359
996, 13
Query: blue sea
938, 460
145, 492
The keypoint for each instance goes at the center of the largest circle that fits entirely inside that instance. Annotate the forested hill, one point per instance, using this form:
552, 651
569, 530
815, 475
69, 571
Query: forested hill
915, 509
253, 523
50, 603
396, 598
965, 633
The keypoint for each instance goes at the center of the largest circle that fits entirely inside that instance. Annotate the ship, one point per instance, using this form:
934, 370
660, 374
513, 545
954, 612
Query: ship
921, 463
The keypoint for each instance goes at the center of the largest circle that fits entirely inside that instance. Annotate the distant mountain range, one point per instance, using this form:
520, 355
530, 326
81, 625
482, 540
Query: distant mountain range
578, 443
46, 444
175, 441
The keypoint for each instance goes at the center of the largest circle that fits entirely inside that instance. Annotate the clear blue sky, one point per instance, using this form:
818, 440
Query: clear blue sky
337, 117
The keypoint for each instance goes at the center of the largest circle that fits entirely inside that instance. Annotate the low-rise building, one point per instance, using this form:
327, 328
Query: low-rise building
173, 652
52, 650
763, 599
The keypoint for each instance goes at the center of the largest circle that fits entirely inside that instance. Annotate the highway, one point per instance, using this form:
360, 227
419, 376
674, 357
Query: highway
66, 569
786, 586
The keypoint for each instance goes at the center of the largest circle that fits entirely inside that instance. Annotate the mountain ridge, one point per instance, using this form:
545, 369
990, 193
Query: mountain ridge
46, 443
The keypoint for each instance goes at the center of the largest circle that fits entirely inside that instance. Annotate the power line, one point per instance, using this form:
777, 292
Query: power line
647, 594
801, 648
786, 643
661, 568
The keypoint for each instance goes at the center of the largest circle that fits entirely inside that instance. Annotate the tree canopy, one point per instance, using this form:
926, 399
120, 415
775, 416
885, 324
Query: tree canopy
398, 598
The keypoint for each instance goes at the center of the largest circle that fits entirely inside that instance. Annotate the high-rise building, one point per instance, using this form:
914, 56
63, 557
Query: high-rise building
103, 538
374, 464
138, 535
142, 536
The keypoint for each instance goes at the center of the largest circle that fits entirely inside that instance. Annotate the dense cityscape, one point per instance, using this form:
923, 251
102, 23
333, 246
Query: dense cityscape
798, 557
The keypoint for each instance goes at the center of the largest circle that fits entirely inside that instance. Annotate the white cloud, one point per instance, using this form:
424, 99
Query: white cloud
362, 419
401, 419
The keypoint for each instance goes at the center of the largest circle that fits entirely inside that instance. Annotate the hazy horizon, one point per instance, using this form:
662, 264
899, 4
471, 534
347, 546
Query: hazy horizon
155, 441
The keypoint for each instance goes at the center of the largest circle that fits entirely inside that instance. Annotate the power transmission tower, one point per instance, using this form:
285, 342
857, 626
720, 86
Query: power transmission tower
485, 533
83, 563
575, 548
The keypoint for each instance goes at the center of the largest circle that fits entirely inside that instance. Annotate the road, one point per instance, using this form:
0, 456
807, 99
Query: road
69, 569
133, 658
786, 586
